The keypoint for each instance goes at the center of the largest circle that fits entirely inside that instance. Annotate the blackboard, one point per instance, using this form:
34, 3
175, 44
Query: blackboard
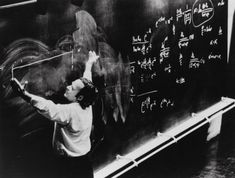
166, 61
177, 63
177, 56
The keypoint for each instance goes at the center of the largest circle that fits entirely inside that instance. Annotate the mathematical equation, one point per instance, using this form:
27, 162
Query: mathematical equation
163, 20
164, 51
180, 48
150, 101
214, 56
185, 14
149, 104
152, 74
141, 44
201, 12
147, 63
195, 62
184, 41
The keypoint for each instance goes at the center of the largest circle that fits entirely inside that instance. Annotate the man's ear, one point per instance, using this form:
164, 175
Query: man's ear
80, 98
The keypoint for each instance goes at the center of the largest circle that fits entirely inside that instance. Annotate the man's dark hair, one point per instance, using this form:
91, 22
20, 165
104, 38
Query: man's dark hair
88, 92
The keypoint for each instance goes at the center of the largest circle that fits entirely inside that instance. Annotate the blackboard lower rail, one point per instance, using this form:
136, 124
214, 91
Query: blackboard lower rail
126, 162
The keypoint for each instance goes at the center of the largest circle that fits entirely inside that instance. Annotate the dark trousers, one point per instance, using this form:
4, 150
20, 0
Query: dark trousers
48, 166
73, 167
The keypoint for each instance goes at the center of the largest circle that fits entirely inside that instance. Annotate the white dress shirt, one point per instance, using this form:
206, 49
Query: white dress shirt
73, 124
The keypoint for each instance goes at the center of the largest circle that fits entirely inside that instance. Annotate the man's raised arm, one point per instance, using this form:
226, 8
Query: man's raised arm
91, 60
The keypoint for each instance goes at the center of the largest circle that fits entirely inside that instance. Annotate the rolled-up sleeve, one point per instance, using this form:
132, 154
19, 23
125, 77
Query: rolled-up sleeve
55, 112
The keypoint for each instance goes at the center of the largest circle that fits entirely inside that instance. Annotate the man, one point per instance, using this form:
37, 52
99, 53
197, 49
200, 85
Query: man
73, 122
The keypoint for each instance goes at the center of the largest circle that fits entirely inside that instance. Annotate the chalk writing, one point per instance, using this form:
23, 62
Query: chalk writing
195, 62
202, 11
132, 67
180, 80
147, 77
132, 98
165, 103
148, 49
179, 14
141, 43
165, 51
221, 3
147, 63
173, 54
181, 59
147, 104
214, 42
184, 41
154, 75
220, 31
168, 68
142, 40
163, 20
184, 14
187, 16
141, 49
173, 29
132, 90
205, 29
136, 39
132, 94
147, 93
214, 56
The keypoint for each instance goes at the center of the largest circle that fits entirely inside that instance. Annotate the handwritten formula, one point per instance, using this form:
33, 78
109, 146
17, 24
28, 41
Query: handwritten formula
186, 39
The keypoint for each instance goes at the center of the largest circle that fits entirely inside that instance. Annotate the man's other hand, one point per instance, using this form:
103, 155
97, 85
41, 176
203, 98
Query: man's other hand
17, 87
92, 57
